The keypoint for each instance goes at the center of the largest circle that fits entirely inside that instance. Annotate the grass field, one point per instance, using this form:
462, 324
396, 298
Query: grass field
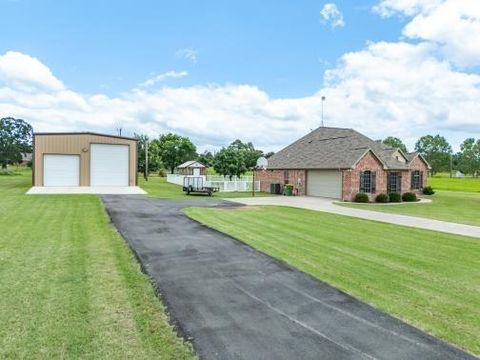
159, 187
443, 181
454, 206
70, 287
456, 200
430, 280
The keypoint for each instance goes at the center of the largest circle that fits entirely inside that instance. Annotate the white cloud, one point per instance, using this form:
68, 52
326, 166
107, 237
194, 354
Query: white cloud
387, 8
162, 77
331, 15
402, 88
20, 70
396, 89
452, 24
188, 53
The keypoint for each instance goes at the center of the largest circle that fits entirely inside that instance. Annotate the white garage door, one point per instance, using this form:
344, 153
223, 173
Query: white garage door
326, 183
61, 170
108, 165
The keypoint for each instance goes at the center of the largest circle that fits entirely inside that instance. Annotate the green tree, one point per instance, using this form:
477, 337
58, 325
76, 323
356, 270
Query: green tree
15, 139
469, 157
395, 142
206, 158
154, 161
250, 154
175, 150
436, 150
230, 162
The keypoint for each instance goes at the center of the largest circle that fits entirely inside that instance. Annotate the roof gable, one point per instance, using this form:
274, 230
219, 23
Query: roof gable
191, 164
412, 156
333, 148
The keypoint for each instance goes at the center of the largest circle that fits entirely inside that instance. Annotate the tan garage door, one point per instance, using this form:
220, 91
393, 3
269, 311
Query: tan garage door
326, 183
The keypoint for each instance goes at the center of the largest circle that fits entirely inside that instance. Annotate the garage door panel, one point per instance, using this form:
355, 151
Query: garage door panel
109, 165
61, 170
325, 183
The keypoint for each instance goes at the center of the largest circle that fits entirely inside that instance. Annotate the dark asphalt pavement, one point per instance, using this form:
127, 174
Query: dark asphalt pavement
234, 302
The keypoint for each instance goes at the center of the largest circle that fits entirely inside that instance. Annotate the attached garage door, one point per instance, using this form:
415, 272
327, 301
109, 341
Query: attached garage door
108, 165
326, 183
61, 170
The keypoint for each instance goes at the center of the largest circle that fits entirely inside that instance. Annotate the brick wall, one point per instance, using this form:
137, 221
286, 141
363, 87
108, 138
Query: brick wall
351, 177
419, 164
294, 177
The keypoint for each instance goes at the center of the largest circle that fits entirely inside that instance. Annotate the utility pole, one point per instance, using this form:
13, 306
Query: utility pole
451, 166
146, 160
253, 181
323, 100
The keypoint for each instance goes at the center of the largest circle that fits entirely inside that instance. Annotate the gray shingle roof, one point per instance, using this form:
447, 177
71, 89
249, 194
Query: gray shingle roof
333, 148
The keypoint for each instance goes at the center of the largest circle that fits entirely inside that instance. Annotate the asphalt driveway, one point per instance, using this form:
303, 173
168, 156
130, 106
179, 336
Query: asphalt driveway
234, 302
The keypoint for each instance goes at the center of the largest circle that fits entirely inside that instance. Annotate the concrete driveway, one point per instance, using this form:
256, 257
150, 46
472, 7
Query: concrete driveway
328, 205
234, 302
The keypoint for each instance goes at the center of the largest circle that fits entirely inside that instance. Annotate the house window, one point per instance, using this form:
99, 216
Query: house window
368, 181
394, 182
417, 180
285, 177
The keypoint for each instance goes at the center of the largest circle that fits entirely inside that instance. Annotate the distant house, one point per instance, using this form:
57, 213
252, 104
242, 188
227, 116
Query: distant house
459, 174
191, 167
339, 163
26, 158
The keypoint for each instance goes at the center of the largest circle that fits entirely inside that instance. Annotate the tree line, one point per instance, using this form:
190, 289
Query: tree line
170, 150
438, 152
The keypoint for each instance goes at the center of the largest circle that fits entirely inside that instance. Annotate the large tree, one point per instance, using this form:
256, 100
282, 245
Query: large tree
250, 154
230, 162
436, 150
468, 159
15, 139
175, 150
395, 143
154, 161
206, 158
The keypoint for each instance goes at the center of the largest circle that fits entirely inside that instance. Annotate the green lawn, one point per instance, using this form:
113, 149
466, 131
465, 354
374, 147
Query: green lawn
159, 187
70, 286
443, 181
454, 206
429, 279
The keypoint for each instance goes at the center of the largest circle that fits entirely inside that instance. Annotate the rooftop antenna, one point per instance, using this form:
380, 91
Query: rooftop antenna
323, 100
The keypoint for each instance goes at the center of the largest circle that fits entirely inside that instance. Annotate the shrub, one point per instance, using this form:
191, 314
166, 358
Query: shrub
382, 198
162, 173
361, 198
395, 197
428, 190
409, 197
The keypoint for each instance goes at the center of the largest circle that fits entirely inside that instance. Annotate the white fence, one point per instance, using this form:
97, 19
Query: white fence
224, 184
178, 179
228, 186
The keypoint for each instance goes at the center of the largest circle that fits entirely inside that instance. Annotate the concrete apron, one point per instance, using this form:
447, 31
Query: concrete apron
99, 190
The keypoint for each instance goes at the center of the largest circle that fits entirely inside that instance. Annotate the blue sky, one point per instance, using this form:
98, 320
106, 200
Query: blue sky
255, 70
106, 46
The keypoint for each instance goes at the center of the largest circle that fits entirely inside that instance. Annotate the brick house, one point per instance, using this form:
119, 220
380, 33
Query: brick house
339, 163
